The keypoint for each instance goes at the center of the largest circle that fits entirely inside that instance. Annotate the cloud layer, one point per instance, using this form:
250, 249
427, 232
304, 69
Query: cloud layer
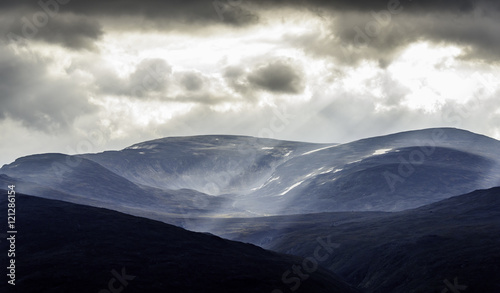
341, 70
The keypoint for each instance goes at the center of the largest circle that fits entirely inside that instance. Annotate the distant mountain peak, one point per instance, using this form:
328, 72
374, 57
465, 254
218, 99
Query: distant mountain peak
233, 174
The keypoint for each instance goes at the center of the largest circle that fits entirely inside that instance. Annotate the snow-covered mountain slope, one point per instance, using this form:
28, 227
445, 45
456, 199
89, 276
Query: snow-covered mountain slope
210, 164
246, 176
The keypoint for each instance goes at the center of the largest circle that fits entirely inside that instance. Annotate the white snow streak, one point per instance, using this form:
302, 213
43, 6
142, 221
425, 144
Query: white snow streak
317, 150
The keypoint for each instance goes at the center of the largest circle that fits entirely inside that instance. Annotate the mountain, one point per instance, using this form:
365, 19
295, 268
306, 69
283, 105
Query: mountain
83, 181
388, 173
419, 250
382, 213
64, 247
212, 164
245, 176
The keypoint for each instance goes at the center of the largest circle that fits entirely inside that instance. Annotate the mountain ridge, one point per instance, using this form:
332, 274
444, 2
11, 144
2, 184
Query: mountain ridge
66, 247
408, 251
238, 175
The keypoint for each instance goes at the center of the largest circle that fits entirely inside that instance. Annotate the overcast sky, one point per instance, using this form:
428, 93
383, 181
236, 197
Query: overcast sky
86, 76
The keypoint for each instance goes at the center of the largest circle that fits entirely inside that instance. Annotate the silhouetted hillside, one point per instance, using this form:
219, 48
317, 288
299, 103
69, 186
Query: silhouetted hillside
63, 247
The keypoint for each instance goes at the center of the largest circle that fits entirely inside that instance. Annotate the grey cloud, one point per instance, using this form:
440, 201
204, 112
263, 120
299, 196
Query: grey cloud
28, 94
105, 79
200, 99
236, 13
394, 92
72, 31
192, 81
236, 78
422, 6
193, 12
467, 22
356, 36
67, 29
203, 9
151, 75
278, 77
152, 79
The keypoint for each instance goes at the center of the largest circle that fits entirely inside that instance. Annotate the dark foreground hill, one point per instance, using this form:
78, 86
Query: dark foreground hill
64, 247
420, 250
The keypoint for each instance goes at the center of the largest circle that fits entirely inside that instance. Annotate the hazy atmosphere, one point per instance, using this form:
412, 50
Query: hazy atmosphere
220, 146
85, 76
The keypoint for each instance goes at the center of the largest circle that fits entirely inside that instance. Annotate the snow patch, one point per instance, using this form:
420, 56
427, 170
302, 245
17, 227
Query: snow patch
264, 184
328, 171
381, 152
291, 187
142, 147
317, 150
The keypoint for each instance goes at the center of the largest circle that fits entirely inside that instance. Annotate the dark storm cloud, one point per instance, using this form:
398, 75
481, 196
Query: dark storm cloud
178, 11
72, 31
29, 95
355, 24
278, 77
203, 9
421, 6
380, 34
399, 31
67, 29
238, 12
